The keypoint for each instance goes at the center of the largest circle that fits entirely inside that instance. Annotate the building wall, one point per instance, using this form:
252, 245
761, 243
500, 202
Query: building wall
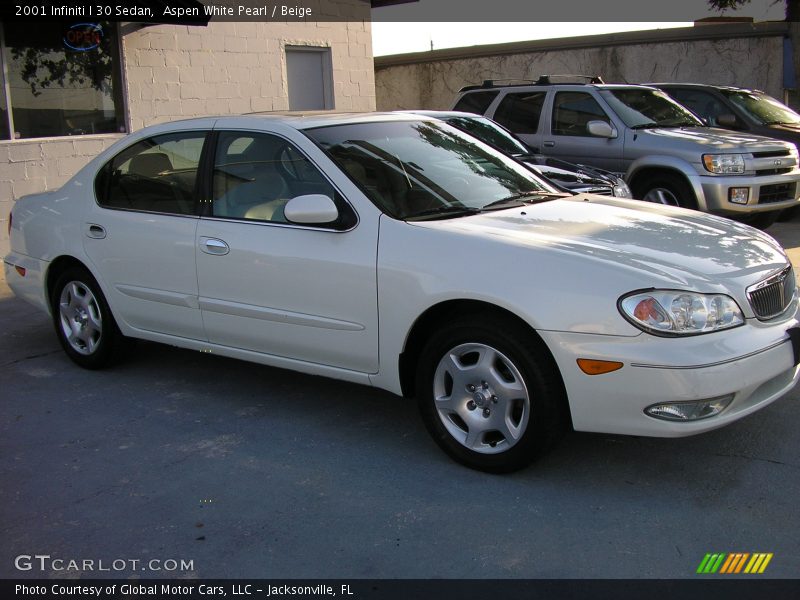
744, 55
176, 72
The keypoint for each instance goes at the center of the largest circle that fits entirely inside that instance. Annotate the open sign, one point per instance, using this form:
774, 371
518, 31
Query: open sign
83, 37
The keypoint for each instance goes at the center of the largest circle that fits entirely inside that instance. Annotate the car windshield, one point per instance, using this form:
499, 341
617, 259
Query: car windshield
428, 169
489, 132
640, 108
766, 110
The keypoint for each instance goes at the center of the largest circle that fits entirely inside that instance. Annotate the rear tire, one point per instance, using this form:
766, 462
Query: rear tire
670, 190
491, 398
83, 321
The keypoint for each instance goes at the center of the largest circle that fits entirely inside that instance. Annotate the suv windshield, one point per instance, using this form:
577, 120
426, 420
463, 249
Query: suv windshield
489, 132
766, 110
640, 108
426, 169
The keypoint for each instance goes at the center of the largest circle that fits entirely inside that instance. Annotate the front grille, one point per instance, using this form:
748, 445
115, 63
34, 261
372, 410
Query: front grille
776, 192
771, 154
771, 297
764, 172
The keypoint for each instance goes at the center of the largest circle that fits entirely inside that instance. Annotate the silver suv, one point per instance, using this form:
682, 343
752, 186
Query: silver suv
667, 154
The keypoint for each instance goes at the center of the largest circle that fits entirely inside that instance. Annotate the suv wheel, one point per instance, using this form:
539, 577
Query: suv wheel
665, 189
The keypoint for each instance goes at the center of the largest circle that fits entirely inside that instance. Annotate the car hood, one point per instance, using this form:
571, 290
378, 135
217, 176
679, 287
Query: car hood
572, 178
655, 245
711, 138
786, 131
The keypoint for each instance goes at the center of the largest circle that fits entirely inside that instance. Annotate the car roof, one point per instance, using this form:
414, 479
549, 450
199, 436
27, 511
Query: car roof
442, 114
297, 119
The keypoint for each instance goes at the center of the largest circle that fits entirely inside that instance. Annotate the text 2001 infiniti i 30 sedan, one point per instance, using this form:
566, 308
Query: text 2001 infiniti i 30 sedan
395, 251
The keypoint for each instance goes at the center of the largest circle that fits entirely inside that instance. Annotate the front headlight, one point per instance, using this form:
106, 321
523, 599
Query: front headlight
621, 189
676, 312
724, 163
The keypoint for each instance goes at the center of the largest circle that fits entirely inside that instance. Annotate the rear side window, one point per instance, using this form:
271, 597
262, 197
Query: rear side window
573, 110
155, 175
520, 112
475, 102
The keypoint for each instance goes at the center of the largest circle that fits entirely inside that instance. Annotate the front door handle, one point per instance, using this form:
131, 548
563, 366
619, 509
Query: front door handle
548, 144
95, 231
214, 246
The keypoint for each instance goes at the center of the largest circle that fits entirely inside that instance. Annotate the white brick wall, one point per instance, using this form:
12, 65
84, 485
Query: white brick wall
176, 72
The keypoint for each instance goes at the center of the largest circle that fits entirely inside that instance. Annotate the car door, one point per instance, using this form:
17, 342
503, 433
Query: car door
269, 286
140, 234
568, 138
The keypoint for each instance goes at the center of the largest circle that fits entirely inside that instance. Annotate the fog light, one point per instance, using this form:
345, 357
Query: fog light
689, 411
739, 195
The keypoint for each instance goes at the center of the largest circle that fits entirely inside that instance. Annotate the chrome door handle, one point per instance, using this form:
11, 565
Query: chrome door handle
214, 246
548, 144
95, 231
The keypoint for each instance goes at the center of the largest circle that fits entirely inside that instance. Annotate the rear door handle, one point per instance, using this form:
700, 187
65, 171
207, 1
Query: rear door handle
548, 144
95, 231
214, 246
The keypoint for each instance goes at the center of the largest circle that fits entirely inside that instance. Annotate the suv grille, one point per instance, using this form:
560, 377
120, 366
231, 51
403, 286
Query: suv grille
771, 297
776, 192
771, 154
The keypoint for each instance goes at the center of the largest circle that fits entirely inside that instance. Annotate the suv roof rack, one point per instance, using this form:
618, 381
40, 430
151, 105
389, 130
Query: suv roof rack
542, 80
590, 79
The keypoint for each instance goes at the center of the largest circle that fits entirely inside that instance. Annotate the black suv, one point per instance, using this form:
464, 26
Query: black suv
737, 108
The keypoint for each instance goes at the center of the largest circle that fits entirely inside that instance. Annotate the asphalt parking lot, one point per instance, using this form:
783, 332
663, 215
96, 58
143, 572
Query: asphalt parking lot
249, 471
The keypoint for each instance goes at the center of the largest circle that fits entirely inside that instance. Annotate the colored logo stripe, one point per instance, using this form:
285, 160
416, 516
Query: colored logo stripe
758, 563
730, 563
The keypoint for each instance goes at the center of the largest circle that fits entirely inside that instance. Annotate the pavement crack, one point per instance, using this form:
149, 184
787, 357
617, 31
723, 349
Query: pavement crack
31, 357
759, 459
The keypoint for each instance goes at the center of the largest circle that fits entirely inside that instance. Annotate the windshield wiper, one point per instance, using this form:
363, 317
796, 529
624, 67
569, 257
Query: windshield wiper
521, 199
450, 210
645, 125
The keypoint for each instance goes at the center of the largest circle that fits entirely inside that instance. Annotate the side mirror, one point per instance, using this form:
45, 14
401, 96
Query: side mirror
311, 209
600, 129
726, 120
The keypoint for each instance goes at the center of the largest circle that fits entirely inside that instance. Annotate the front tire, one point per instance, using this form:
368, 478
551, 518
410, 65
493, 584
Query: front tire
669, 190
491, 398
83, 322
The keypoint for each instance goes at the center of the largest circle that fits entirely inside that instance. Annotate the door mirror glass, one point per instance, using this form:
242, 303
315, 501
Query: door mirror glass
600, 129
311, 209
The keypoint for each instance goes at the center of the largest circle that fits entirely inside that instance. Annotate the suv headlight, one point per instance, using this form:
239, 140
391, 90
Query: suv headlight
621, 189
676, 312
724, 163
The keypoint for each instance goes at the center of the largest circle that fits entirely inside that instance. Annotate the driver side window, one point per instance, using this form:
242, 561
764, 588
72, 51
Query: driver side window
573, 110
256, 174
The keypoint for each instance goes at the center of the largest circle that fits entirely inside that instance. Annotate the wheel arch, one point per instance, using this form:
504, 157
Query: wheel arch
58, 266
448, 310
646, 169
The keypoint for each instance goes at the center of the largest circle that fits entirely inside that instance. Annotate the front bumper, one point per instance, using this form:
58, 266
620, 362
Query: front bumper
754, 362
768, 193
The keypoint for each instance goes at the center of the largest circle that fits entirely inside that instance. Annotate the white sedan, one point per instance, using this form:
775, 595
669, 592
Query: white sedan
398, 252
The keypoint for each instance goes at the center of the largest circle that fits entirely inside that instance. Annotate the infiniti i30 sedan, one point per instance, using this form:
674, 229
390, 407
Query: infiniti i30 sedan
396, 251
